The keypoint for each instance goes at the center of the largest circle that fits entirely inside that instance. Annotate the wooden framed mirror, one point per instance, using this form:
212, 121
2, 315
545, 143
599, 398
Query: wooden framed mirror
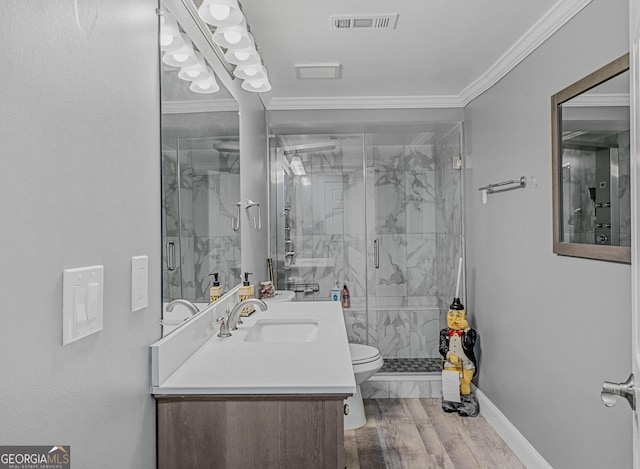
591, 166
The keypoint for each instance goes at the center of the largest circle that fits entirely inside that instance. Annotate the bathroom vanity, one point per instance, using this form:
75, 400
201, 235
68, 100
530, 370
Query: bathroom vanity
271, 395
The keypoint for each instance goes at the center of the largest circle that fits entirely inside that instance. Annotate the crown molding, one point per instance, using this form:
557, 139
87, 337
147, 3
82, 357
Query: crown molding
544, 28
557, 16
205, 105
364, 102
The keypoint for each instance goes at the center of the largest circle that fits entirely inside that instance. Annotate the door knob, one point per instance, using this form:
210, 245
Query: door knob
611, 391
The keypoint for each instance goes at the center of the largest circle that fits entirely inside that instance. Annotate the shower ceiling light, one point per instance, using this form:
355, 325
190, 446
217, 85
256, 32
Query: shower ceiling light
221, 12
296, 166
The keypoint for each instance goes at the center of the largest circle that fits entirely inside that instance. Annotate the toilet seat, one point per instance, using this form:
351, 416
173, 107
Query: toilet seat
362, 354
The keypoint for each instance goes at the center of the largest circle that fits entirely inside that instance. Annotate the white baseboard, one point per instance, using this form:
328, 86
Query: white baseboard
510, 434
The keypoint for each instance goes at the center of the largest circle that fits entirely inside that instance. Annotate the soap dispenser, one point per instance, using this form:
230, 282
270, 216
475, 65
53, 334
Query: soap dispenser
246, 292
215, 292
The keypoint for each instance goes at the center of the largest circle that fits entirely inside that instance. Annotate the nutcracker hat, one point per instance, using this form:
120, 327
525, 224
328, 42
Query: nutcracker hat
456, 305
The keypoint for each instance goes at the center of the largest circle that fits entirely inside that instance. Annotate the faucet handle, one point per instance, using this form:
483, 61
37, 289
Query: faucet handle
224, 328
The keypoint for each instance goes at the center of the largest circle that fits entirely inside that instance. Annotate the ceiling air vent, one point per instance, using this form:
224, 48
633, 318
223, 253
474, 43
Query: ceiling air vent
387, 21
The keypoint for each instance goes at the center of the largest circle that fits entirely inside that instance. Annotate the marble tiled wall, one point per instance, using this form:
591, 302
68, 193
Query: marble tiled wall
410, 202
578, 174
199, 221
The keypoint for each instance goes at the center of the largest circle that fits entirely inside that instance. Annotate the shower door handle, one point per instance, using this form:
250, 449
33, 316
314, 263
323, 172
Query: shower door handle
376, 254
235, 221
171, 256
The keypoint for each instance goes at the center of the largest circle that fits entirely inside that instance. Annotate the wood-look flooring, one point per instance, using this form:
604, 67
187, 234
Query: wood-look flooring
417, 433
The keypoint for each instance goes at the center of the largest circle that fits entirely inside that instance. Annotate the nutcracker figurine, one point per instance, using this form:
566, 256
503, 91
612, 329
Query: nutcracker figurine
456, 347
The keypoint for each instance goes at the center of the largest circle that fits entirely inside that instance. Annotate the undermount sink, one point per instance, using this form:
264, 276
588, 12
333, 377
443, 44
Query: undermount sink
283, 331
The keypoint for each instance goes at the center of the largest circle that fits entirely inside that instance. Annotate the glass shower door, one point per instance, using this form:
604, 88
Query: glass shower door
171, 268
381, 213
201, 189
321, 216
413, 211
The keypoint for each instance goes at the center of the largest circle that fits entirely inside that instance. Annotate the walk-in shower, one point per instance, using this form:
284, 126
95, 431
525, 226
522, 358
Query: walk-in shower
595, 188
380, 212
200, 190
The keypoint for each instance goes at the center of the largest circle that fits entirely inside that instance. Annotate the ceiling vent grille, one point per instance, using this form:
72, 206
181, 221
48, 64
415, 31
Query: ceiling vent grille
387, 21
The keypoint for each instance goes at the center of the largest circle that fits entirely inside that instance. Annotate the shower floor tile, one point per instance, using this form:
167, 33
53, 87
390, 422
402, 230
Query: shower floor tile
411, 365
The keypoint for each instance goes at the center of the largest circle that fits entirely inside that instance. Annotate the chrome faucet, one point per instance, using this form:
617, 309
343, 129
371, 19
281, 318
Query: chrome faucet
193, 308
234, 315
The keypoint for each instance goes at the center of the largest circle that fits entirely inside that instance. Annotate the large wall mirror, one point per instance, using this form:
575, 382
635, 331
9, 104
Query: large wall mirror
200, 183
591, 166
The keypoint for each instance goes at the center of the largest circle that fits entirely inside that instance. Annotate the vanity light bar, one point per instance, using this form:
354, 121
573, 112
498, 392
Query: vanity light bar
179, 52
232, 33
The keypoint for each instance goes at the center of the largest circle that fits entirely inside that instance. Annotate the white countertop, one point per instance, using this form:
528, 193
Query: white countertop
233, 366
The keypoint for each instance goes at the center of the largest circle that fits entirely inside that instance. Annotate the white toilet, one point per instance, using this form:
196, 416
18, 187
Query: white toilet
366, 361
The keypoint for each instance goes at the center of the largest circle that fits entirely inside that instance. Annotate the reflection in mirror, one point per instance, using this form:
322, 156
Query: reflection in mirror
200, 190
592, 202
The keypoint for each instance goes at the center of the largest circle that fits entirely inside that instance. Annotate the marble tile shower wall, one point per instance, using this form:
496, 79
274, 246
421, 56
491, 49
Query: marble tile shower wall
578, 174
199, 221
409, 212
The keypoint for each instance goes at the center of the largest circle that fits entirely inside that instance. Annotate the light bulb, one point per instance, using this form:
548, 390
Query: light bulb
203, 86
220, 12
242, 55
255, 84
250, 72
232, 37
166, 40
192, 73
180, 57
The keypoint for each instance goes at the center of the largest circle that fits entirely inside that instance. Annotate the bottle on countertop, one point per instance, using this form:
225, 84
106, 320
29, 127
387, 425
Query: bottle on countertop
335, 292
215, 292
246, 292
346, 297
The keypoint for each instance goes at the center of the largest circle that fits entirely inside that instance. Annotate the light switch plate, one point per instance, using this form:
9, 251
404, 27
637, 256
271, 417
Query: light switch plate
139, 282
82, 300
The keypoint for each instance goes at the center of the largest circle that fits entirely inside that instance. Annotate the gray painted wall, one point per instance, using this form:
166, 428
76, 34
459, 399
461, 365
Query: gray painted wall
80, 179
80, 183
552, 328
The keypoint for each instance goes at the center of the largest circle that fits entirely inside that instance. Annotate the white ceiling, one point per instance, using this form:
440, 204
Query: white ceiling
443, 53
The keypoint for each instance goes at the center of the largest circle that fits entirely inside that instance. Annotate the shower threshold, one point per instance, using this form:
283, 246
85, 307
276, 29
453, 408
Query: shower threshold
411, 365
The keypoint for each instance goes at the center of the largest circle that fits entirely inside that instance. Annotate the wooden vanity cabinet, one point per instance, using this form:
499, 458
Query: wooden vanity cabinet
247, 431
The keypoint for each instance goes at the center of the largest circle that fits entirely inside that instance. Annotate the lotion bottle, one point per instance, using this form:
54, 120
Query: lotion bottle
335, 292
215, 292
246, 292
